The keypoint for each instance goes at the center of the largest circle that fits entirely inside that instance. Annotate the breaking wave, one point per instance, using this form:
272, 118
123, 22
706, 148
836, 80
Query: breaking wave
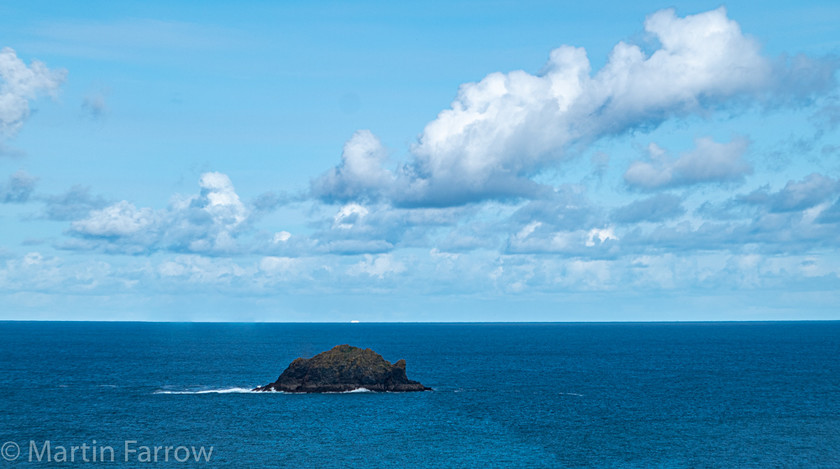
207, 391
242, 391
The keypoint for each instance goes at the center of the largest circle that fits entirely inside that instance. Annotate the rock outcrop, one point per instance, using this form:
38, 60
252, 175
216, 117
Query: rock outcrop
344, 368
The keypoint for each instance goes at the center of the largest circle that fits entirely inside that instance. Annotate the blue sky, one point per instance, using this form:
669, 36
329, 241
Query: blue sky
435, 161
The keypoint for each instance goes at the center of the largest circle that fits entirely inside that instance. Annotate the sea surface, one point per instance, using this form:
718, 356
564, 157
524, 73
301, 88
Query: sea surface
505, 395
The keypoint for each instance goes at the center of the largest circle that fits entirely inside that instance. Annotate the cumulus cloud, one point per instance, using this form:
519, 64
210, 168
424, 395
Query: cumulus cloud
708, 162
794, 219
658, 208
18, 188
35, 272
361, 173
207, 223
378, 266
19, 84
198, 269
567, 207
349, 216
537, 238
355, 228
766, 233
219, 199
77, 202
281, 237
508, 127
214, 221
119, 220
275, 265
796, 196
599, 236
566, 222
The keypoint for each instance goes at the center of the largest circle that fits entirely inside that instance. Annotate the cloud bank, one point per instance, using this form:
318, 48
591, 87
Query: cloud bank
502, 131
708, 162
205, 223
476, 208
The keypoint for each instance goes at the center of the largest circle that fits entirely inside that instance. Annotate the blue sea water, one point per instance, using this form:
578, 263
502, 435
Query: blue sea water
505, 395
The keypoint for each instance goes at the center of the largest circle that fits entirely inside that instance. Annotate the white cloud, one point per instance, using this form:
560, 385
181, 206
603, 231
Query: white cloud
118, 220
37, 272
220, 200
601, 234
439, 255
349, 215
527, 230
208, 222
539, 238
588, 275
361, 172
378, 266
508, 127
172, 269
378, 227
811, 191
281, 237
800, 195
20, 84
273, 265
708, 162
203, 270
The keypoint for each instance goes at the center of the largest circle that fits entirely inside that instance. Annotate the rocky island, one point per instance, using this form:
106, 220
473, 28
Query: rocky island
341, 369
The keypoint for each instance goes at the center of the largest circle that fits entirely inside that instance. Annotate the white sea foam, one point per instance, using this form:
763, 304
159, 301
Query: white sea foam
353, 391
243, 391
208, 391
571, 394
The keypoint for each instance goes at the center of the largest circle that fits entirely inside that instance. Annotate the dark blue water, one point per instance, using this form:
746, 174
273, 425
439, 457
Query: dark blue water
506, 395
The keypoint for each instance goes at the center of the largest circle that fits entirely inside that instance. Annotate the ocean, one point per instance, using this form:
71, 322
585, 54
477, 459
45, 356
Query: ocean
638, 395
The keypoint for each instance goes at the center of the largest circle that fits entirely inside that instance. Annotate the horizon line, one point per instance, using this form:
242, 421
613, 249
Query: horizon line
675, 321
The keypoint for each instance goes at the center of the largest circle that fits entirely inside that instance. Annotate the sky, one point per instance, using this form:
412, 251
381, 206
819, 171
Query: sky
419, 161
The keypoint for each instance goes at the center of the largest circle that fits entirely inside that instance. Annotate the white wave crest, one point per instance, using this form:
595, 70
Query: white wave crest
208, 391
